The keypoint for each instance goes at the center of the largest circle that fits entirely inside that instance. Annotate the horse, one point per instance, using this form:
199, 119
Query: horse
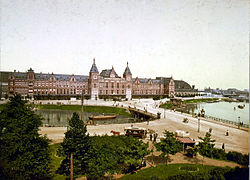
115, 133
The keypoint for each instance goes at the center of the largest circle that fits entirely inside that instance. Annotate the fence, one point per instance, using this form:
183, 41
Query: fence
227, 121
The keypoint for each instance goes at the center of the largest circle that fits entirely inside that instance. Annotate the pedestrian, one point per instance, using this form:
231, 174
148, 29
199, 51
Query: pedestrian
223, 146
154, 137
210, 130
150, 136
227, 133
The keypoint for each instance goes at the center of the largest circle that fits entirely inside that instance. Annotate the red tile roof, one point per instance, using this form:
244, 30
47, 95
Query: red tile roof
185, 140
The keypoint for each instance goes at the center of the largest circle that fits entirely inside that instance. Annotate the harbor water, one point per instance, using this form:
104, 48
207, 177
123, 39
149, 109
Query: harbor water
222, 110
61, 118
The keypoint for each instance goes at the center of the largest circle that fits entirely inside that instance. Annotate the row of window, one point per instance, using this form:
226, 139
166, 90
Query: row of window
146, 91
112, 85
111, 92
59, 91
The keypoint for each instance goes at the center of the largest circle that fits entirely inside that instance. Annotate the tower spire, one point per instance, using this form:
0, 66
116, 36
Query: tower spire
94, 61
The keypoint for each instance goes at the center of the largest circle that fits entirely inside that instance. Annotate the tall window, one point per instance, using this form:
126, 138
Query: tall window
106, 91
112, 85
94, 85
117, 91
107, 84
112, 92
117, 85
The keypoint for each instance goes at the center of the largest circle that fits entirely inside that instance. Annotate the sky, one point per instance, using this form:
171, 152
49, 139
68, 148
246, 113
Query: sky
205, 43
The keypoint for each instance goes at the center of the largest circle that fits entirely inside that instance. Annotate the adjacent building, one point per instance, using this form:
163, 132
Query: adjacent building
95, 85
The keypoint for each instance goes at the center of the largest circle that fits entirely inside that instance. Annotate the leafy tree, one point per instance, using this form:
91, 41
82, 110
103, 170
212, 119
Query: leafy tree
24, 154
78, 142
191, 152
168, 145
113, 154
133, 154
206, 147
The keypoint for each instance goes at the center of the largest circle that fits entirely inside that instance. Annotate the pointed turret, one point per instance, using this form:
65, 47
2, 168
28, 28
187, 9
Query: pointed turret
128, 77
127, 71
94, 68
93, 82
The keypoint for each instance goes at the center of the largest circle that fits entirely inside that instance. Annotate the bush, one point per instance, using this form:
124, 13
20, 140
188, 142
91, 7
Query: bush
191, 152
219, 154
237, 173
218, 173
237, 157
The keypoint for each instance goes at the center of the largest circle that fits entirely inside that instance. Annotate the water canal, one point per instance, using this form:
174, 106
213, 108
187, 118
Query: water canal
52, 117
222, 110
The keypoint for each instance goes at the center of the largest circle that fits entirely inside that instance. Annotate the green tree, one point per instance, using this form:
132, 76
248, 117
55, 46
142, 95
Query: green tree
168, 145
78, 142
133, 154
24, 154
115, 154
206, 147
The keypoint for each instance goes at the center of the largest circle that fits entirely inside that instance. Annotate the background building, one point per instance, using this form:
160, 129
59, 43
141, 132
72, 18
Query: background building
97, 85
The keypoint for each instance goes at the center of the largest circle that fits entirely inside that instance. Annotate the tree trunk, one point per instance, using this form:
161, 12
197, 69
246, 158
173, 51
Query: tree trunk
167, 159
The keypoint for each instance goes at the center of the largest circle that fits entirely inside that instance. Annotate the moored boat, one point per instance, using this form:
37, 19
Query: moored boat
241, 106
102, 117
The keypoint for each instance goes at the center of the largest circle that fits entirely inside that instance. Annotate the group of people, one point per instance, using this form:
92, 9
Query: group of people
154, 135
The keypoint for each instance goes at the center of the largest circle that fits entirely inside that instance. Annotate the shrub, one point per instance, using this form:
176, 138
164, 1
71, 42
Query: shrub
238, 158
191, 152
237, 173
219, 154
218, 173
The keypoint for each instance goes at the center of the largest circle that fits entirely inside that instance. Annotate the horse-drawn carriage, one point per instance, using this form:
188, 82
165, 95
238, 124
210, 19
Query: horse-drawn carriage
136, 132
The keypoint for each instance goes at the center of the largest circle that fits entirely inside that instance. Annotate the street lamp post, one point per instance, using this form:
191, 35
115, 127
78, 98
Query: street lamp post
198, 124
239, 122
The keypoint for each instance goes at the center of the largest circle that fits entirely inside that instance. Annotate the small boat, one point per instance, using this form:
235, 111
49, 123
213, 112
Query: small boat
241, 106
102, 117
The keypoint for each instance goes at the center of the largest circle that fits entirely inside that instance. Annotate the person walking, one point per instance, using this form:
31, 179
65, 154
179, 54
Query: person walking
154, 137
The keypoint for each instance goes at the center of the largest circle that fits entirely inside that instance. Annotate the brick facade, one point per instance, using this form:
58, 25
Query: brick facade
106, 83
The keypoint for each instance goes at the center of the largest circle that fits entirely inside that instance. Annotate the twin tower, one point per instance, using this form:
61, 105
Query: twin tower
108, 83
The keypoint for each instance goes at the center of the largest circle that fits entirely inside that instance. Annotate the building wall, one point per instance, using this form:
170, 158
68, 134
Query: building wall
33, 84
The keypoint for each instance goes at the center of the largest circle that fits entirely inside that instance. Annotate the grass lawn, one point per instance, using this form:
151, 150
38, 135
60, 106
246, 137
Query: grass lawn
166, 105
93, 109
163, 171
170, 105
199, 100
